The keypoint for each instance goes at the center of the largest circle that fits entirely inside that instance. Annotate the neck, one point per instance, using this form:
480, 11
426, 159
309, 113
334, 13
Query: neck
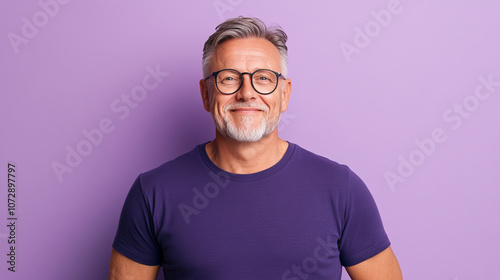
246, 157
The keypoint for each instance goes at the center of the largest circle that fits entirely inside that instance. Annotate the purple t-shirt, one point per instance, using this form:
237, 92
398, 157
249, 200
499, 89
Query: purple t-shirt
303, 218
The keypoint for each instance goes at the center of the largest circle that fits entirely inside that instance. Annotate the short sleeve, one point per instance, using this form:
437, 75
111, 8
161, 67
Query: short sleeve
135, 236
363, 235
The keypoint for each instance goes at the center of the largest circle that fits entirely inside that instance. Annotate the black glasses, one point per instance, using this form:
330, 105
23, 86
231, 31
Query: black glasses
229, 81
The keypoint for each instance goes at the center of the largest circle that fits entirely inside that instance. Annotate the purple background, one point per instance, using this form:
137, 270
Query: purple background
365, 109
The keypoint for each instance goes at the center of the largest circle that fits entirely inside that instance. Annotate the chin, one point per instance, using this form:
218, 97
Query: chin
247, 129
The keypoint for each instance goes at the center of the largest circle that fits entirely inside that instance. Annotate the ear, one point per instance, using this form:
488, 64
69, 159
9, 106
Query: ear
204, 94
287, 89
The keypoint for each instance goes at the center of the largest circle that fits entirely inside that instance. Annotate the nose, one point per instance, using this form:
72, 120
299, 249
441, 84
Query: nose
246, 91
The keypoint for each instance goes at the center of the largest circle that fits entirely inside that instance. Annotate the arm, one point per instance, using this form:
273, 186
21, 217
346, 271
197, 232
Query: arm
123, 268
383, 266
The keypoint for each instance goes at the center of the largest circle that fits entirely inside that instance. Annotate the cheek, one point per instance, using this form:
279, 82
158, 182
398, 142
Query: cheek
217, 105
212, 99
275, 105
212, 95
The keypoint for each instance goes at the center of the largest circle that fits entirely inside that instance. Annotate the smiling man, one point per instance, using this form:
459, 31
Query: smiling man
249, 205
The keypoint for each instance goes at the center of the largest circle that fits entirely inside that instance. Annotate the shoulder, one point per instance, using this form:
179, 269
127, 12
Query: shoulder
312, 162
174, 170
323, 170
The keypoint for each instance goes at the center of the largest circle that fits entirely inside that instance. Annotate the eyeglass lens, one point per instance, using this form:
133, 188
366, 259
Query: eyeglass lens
263, 81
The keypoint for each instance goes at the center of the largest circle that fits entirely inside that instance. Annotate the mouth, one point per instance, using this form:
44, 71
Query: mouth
245, 110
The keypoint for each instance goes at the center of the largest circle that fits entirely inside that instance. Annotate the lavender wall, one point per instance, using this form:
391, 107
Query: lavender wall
407, 93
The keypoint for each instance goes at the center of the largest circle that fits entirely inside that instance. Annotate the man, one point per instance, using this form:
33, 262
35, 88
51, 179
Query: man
249, 205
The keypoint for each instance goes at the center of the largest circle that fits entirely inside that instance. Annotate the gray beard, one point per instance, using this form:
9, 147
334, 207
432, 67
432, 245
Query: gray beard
245, 133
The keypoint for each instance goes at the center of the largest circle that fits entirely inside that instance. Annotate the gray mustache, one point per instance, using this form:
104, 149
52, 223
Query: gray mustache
254, 105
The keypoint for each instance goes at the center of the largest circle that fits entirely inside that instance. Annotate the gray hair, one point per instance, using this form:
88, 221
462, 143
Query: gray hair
245, 27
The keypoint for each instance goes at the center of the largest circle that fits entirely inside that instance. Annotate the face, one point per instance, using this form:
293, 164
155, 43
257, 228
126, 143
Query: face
245, 116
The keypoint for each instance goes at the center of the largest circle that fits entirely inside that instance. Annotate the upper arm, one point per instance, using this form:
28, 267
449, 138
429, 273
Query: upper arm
136, 236
362, 233
383, 266
123, 268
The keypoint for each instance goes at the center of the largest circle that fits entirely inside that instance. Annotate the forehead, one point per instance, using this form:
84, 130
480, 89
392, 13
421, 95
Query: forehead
247, 54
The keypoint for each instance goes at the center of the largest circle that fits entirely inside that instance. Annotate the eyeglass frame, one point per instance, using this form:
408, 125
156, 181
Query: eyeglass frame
214, 74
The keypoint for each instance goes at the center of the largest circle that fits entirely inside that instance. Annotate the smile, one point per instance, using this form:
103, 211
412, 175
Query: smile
246, 110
